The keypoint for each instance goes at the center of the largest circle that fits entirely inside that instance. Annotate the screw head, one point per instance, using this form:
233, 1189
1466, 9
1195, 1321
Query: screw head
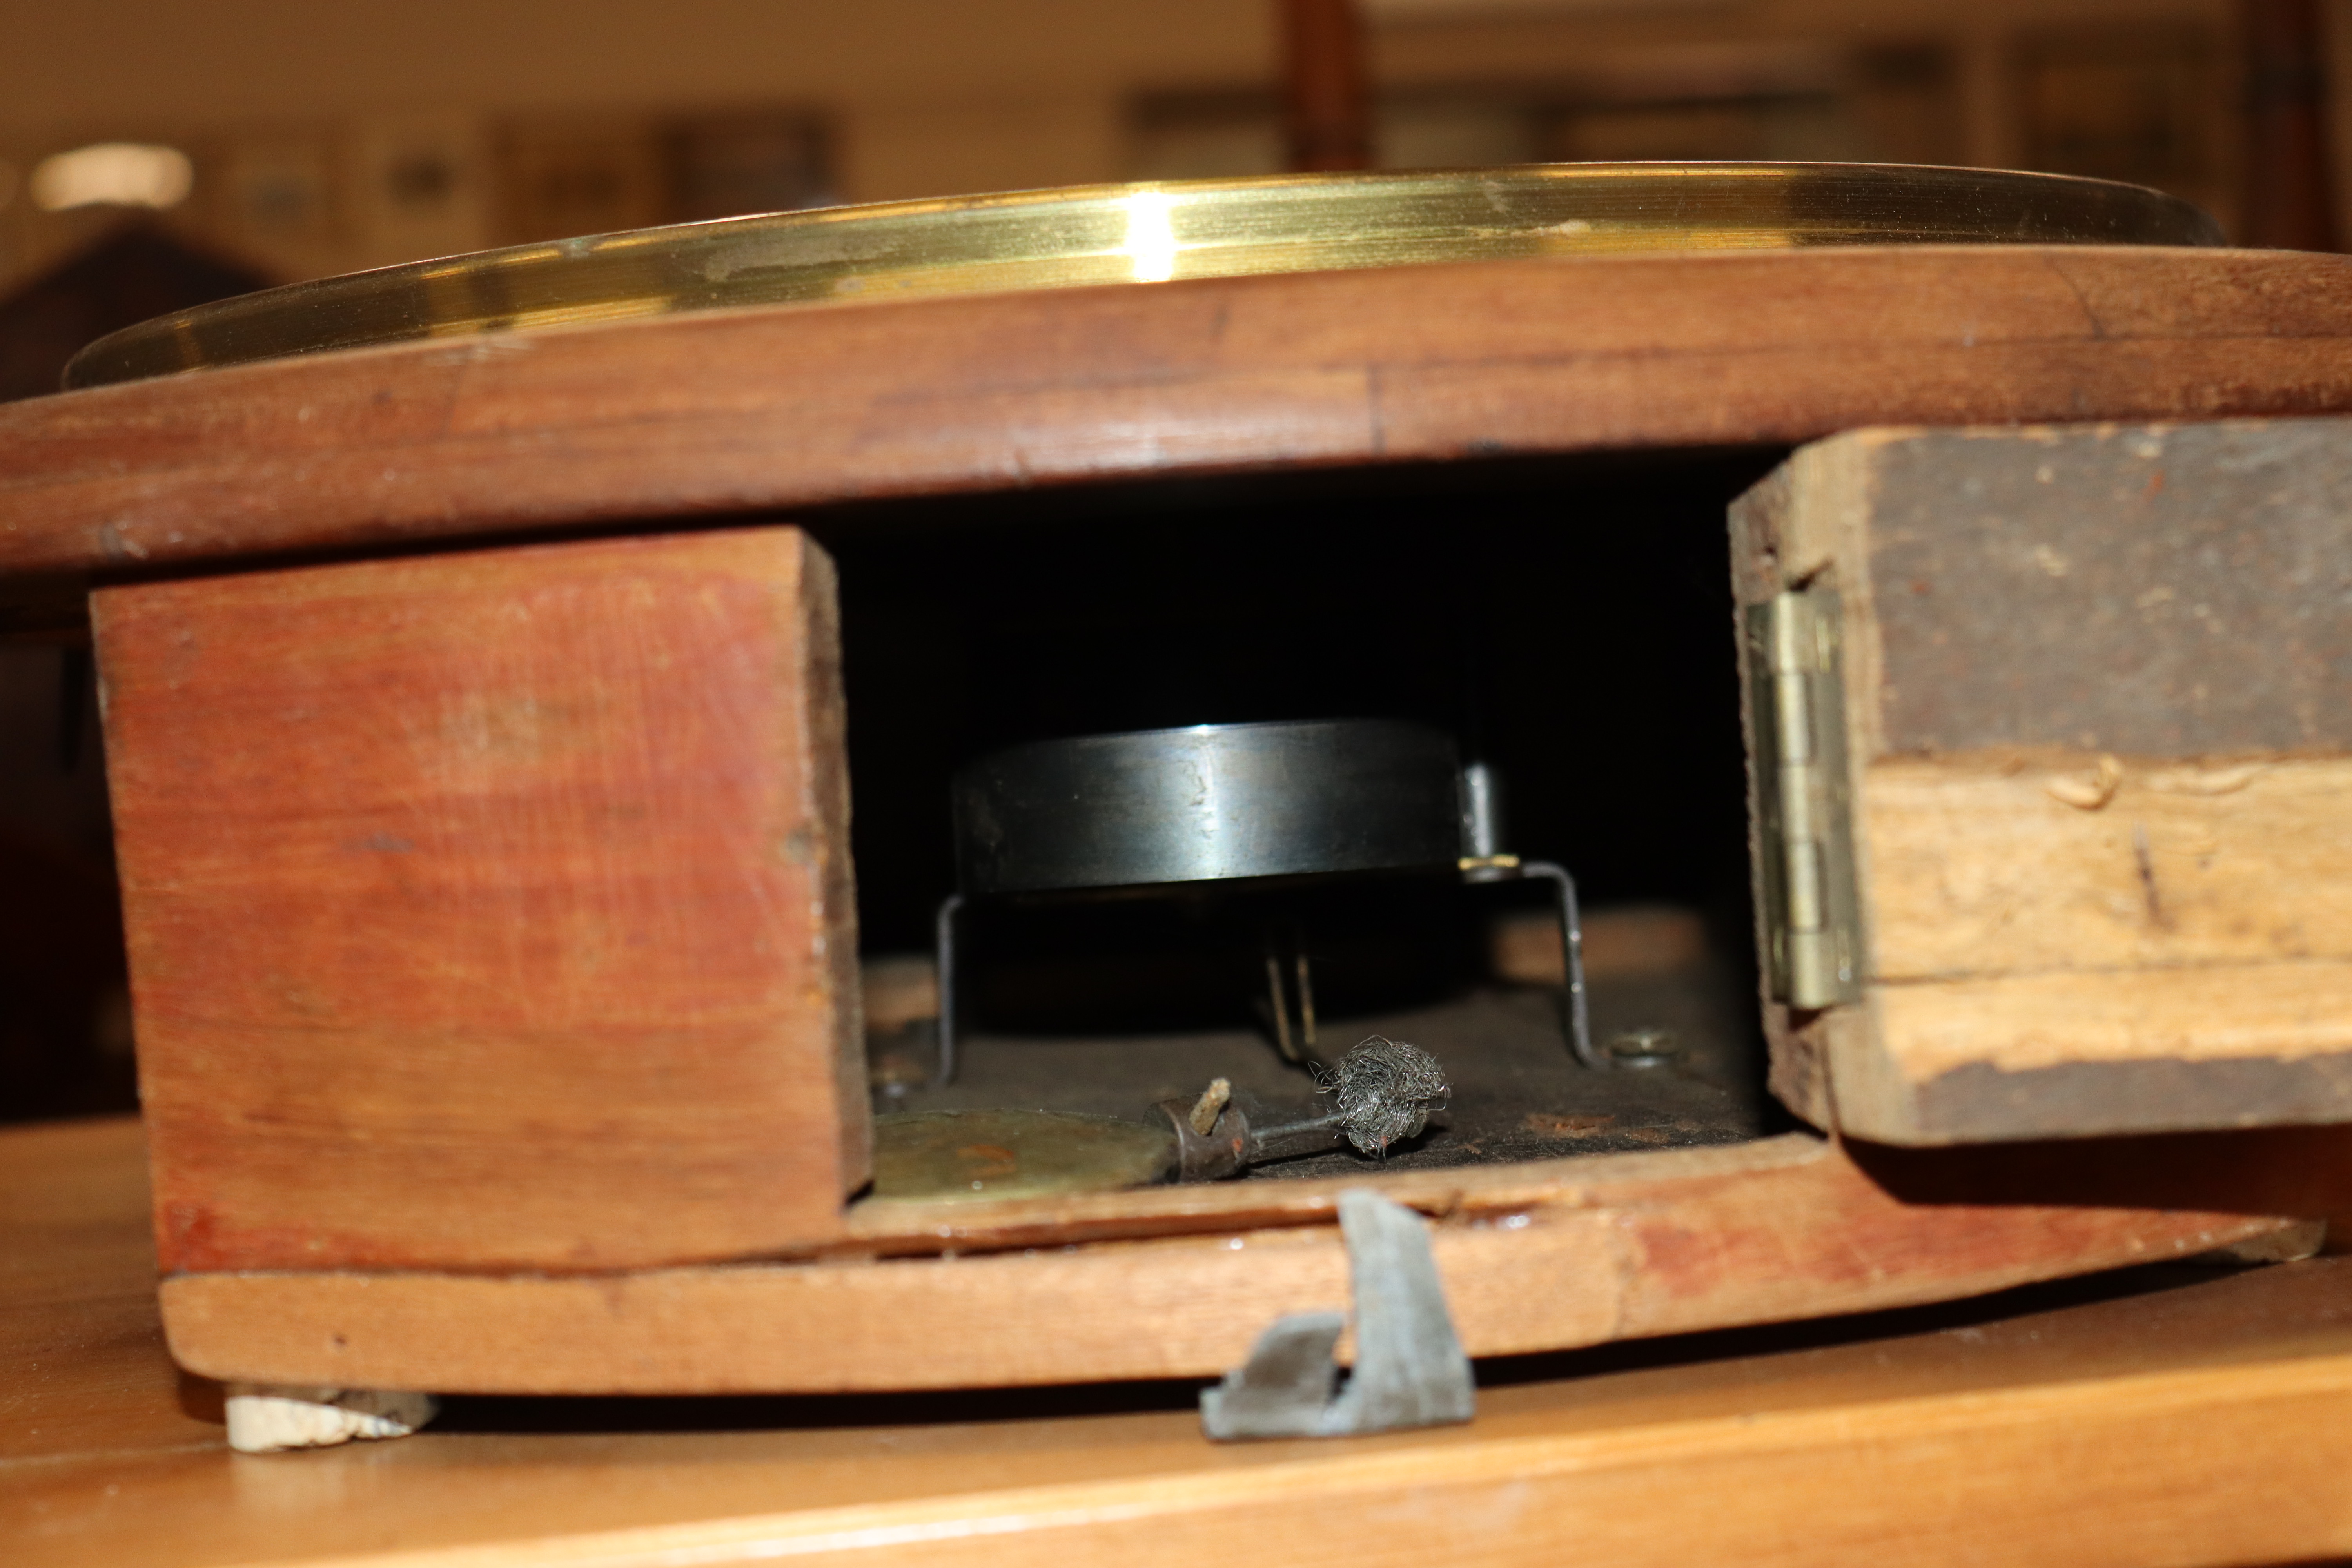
1644, 1048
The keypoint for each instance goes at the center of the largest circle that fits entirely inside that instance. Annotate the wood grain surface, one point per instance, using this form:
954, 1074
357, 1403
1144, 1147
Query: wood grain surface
2097, 687
2206, 1423
1576, 1253
738, 413
1987, 863
491, 910
2073, 944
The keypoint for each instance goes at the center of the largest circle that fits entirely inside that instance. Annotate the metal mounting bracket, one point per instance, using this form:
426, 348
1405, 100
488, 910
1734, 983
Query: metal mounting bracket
1410, 1367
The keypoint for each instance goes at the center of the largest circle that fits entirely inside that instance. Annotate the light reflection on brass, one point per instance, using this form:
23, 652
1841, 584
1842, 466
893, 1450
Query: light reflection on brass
1148, 233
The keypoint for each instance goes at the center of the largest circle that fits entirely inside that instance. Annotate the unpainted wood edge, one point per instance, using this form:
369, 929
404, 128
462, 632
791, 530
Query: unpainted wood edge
1864, 1087
1797, 1075
2177, 1236
824, 746
1179, 1307
106, 605
1665, 1250
896, 1226
1888, 1092
1757, 516
2051, 829
1836, 493
2212, 773
1983, 1103
1806, 524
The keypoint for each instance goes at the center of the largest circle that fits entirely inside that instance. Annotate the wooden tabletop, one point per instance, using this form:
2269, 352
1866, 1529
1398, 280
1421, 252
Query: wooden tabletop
2188, 1418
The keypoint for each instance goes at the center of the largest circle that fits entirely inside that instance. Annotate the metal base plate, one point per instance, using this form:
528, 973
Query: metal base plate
1517, 1094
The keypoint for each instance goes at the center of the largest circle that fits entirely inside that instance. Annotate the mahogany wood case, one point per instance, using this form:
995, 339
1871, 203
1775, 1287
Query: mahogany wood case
740, 411
491, 910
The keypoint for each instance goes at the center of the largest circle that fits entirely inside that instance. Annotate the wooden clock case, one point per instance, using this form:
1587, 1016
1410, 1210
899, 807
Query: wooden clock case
474, 731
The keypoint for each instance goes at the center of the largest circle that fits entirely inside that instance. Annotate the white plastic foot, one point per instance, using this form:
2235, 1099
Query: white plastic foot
267, 1419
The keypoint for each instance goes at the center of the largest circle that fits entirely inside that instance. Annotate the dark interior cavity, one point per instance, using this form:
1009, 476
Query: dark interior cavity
1568, 621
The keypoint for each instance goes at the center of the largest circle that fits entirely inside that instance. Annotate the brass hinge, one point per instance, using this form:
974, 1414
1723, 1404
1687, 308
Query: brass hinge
1797, 700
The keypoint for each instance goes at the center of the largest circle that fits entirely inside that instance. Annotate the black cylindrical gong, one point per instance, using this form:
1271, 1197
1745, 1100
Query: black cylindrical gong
1209, 803
1227, 803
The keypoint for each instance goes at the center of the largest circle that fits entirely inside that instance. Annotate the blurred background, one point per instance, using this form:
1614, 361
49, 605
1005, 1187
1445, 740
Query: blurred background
157, 153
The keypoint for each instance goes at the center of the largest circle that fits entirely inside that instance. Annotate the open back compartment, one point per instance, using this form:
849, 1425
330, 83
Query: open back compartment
1569, 623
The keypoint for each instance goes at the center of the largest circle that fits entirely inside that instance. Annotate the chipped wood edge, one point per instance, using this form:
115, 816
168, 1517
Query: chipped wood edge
1801, 525
890, 1226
